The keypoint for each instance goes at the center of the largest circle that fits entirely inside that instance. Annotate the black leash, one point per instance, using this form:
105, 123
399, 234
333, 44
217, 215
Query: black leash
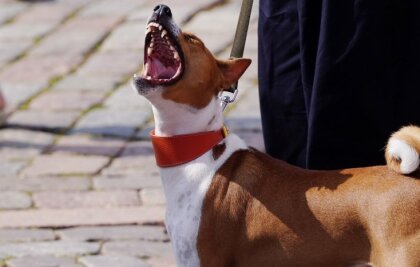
238, 47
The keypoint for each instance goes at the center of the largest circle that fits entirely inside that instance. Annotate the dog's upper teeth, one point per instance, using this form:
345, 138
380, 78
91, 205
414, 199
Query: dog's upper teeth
176, 55
148, 30
160, 27
149, 51
151, 44
164, 32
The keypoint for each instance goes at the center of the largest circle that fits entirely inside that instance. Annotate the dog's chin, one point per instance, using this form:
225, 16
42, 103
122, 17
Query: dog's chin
144, 87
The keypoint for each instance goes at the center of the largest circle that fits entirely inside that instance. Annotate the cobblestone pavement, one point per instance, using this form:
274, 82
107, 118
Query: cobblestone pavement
78, 182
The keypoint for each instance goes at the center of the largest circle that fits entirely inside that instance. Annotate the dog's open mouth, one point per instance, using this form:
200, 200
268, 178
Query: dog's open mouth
163, 58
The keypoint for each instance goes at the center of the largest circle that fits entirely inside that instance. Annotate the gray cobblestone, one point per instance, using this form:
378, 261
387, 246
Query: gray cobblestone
44, 119
112, 261
90, 199
110, 8
88, 83
57, 248
78, 217
18, 31
112, 63
34, 184
43, 261
127, 36
11, 50
10, 9
14, 200
126, 232
140, 249
124, 181
17, 93
126, 98
88, 145
109, 122
25, 235
64, 164
66, 100
11, 167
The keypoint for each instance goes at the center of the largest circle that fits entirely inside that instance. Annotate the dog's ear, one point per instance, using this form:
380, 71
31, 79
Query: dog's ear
232, 69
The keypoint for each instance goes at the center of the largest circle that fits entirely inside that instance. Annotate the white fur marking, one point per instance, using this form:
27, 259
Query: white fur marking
185, 189
399, 149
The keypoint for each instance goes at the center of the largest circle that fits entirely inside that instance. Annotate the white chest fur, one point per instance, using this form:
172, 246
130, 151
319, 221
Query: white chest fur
185, 187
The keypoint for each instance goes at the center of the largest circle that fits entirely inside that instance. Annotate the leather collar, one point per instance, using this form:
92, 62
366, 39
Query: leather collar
179, 149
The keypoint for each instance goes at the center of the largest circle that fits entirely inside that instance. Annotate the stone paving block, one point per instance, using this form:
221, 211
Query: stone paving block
120, 232
34, 184
17, 93
18, 31
126, 98
137, 160
46, 12
14, 200
109, 8
103, 23
64, 164
67, 100
237, 124
90, 199
247, 106
11, 167
152, 196
221, 30
112, 63
43, 261
39, 69
142, 249
77, 37
88, 83
43, 119
253, 139
88, 145
167, 260
79, 217
112, 261
110, 122
10, 10
11, 50
25, 235
56, 248
33, 143
128, 36
124, 181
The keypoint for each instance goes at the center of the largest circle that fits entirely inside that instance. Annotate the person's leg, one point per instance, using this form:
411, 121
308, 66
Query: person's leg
282, 102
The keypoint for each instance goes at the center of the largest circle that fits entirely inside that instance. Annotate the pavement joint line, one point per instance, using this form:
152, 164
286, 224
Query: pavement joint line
39, 39
204, 8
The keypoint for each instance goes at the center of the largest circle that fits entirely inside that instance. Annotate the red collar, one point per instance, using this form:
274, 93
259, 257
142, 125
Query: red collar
175, 150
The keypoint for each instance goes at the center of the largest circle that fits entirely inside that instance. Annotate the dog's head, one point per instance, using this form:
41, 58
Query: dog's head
178, 66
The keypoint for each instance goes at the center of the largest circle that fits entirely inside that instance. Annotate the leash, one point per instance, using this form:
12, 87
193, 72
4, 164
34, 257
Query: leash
238, 48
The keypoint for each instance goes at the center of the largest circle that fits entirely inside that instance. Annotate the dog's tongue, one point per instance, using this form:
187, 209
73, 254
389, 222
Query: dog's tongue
158, 70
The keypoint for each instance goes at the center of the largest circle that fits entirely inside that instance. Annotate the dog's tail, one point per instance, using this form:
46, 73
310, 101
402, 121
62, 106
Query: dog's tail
403, 150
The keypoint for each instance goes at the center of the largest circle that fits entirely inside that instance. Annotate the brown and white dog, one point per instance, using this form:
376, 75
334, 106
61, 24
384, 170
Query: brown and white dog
229, 205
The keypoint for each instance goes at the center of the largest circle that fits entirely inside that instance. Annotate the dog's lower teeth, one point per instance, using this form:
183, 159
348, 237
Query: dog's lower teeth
163, 33
149, 51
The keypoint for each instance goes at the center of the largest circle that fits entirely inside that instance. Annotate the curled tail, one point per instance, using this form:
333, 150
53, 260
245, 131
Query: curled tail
403, 149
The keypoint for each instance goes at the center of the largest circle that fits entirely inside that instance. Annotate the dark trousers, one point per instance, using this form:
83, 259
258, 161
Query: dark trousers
337, 77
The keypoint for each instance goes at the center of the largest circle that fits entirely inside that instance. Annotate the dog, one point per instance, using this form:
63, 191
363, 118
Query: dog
229, 205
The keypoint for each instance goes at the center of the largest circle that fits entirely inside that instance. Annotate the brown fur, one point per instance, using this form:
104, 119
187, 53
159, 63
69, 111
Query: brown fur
411, 136
204, 76
263, 212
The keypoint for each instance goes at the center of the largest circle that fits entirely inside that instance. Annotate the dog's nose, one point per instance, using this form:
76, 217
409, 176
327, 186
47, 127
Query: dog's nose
162, 10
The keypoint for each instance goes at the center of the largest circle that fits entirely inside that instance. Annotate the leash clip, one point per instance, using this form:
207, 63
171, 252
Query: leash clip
229, 97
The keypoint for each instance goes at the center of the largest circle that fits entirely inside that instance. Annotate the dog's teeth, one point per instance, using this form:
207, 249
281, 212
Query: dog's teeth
148, 30
149, 51
148, 78
176, 55
160, 27
151, 44
164, 32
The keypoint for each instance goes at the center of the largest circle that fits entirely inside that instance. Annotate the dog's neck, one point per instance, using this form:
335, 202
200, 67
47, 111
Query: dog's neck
173, 118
